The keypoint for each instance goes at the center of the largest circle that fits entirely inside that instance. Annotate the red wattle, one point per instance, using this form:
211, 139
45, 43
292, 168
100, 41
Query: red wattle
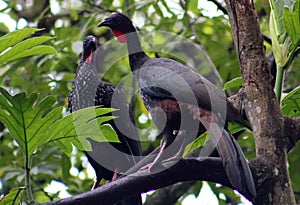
89, 59
120, 36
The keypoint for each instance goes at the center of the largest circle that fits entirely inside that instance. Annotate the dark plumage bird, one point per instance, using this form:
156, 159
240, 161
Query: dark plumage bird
185, 97
107, 159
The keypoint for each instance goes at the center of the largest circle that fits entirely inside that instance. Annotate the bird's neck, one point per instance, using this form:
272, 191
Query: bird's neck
137, 56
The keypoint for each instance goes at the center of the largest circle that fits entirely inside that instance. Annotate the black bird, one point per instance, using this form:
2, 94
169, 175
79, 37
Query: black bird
185, 97
107, 159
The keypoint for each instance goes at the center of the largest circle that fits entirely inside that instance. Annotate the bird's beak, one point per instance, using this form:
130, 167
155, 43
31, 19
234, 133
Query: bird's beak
104, 23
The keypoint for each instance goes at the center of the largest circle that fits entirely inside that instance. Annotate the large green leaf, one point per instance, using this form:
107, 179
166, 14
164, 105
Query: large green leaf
74, 129
33, 123
14, 37
12, 197
26, 119
13, 46
291, 103
28, 47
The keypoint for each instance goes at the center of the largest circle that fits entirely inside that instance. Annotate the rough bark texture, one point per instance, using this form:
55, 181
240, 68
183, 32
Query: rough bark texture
259, 102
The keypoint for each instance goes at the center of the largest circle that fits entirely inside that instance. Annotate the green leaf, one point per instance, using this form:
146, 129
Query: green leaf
193, 6
75, 128
235, 127
74, 14
12, 197
14, 37
291, 19
198, 142
284, 24
26, 119
28, 47
25, 48
236, 82
291, 103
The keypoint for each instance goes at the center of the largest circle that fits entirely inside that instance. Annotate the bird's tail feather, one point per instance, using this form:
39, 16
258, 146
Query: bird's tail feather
236, 166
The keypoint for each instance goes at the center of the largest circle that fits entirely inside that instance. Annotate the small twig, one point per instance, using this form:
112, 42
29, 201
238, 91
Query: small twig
219, 6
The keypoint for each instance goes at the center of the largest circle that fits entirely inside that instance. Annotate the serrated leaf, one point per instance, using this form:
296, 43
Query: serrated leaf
236, 82
26, 119
198, 142
75, 128
15, 47
291, 103
12, 197
14, 37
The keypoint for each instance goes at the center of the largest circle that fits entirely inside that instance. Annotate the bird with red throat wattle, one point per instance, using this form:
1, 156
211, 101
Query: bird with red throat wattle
107, 159
189, 104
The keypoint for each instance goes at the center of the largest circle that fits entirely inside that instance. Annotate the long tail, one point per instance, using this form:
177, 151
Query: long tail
236, 166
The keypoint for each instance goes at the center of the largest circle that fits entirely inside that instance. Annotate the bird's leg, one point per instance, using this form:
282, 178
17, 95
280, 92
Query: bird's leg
178, 154
96, 183
182, 142
157, 158
115, 175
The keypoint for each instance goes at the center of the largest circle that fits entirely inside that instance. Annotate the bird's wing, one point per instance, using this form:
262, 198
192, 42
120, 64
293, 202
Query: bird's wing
166, 78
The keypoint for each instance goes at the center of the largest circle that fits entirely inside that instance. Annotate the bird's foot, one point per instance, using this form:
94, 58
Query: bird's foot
148, 167
152, 167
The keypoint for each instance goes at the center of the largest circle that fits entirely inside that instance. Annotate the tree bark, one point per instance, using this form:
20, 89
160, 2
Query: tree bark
185, 170
260, 105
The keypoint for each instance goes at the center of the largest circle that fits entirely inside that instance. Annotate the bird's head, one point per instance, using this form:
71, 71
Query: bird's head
120, 26
89, 46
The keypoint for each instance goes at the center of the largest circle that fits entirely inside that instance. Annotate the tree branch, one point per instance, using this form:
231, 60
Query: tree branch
142, 181
219, 6
292, 128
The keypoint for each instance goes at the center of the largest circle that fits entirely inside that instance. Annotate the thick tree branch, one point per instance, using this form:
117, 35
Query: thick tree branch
142, 181
292, 128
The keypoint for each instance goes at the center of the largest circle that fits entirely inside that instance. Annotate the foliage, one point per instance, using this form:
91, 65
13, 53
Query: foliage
33, 124
284, 21
13, 46
34, 79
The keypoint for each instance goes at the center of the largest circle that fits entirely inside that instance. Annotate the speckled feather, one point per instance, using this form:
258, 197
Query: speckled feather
89, 90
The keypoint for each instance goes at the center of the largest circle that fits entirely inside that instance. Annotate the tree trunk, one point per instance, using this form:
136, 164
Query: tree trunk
259, 102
